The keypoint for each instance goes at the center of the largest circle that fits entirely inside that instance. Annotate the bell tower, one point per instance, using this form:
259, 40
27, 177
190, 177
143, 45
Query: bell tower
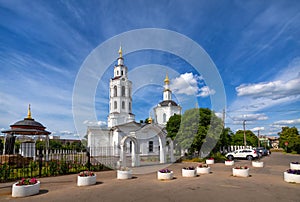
166, 108
120, 99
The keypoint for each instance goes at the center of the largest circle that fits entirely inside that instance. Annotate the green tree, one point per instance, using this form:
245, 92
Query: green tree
290, 135
1, 146
78, 146
54, 144
40, 144
67, 145
17, 146
225, 138
173, 126
238, 138
188, 129
198, 126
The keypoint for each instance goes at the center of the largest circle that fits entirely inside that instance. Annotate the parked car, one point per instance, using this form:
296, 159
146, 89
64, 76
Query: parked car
248, 154
263, 151
259, 155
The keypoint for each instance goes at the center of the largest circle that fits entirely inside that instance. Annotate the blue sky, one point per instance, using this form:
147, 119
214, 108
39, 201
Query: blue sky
255, 46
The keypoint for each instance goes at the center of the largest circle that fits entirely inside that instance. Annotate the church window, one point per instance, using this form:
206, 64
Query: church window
150, 144
122, 73
115, 104
123, 90
164, 118
117, 73
129, 106
115, 91
123, 105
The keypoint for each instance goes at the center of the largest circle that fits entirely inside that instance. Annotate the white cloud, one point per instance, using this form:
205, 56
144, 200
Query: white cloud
188, 84
282, 89
93, 123
258, 129
250, 117
287, 122
185, 84
205, 91
272, 90
219, 114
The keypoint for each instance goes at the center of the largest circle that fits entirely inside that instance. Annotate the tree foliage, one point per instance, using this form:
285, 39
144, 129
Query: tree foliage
173, 126
225, 138
199, 127
57, 145
290, 135
1, 146
238, 138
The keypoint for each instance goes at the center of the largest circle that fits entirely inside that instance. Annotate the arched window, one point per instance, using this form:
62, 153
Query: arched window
117, 73
123, 105
150, 144
115, 91
122, 73
129, 106
115, 104
164, 118
130, 146
123, 90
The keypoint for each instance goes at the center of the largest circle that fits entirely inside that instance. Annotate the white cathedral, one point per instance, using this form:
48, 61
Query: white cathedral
124, 137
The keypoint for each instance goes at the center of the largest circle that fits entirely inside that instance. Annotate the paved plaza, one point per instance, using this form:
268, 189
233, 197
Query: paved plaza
264, 184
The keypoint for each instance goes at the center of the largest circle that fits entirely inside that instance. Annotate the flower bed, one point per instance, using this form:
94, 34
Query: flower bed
258, 164
295, 165
203, 169
229, 162
26, 187
292, 176
188, 172
210, 161
124, 173
86, 178
165, 174
240, 171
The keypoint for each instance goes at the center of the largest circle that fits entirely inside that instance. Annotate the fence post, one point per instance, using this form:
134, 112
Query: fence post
89, 158
40, 162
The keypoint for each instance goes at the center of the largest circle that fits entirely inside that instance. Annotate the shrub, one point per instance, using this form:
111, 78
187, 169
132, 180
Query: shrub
218, 157
53, 167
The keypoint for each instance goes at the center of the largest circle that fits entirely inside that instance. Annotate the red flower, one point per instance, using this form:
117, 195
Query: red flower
28, 181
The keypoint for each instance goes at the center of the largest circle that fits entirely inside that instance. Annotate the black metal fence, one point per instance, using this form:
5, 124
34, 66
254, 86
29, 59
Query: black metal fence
46, 163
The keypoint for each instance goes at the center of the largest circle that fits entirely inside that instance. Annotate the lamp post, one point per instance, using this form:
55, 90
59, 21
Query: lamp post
245, 141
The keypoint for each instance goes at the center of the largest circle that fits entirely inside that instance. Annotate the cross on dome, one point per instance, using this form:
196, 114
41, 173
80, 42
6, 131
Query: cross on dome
120, 52
29, 112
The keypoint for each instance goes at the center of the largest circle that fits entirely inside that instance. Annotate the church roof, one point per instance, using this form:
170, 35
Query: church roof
167, 102
27, 126
25, 131
28, 123
132, 123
